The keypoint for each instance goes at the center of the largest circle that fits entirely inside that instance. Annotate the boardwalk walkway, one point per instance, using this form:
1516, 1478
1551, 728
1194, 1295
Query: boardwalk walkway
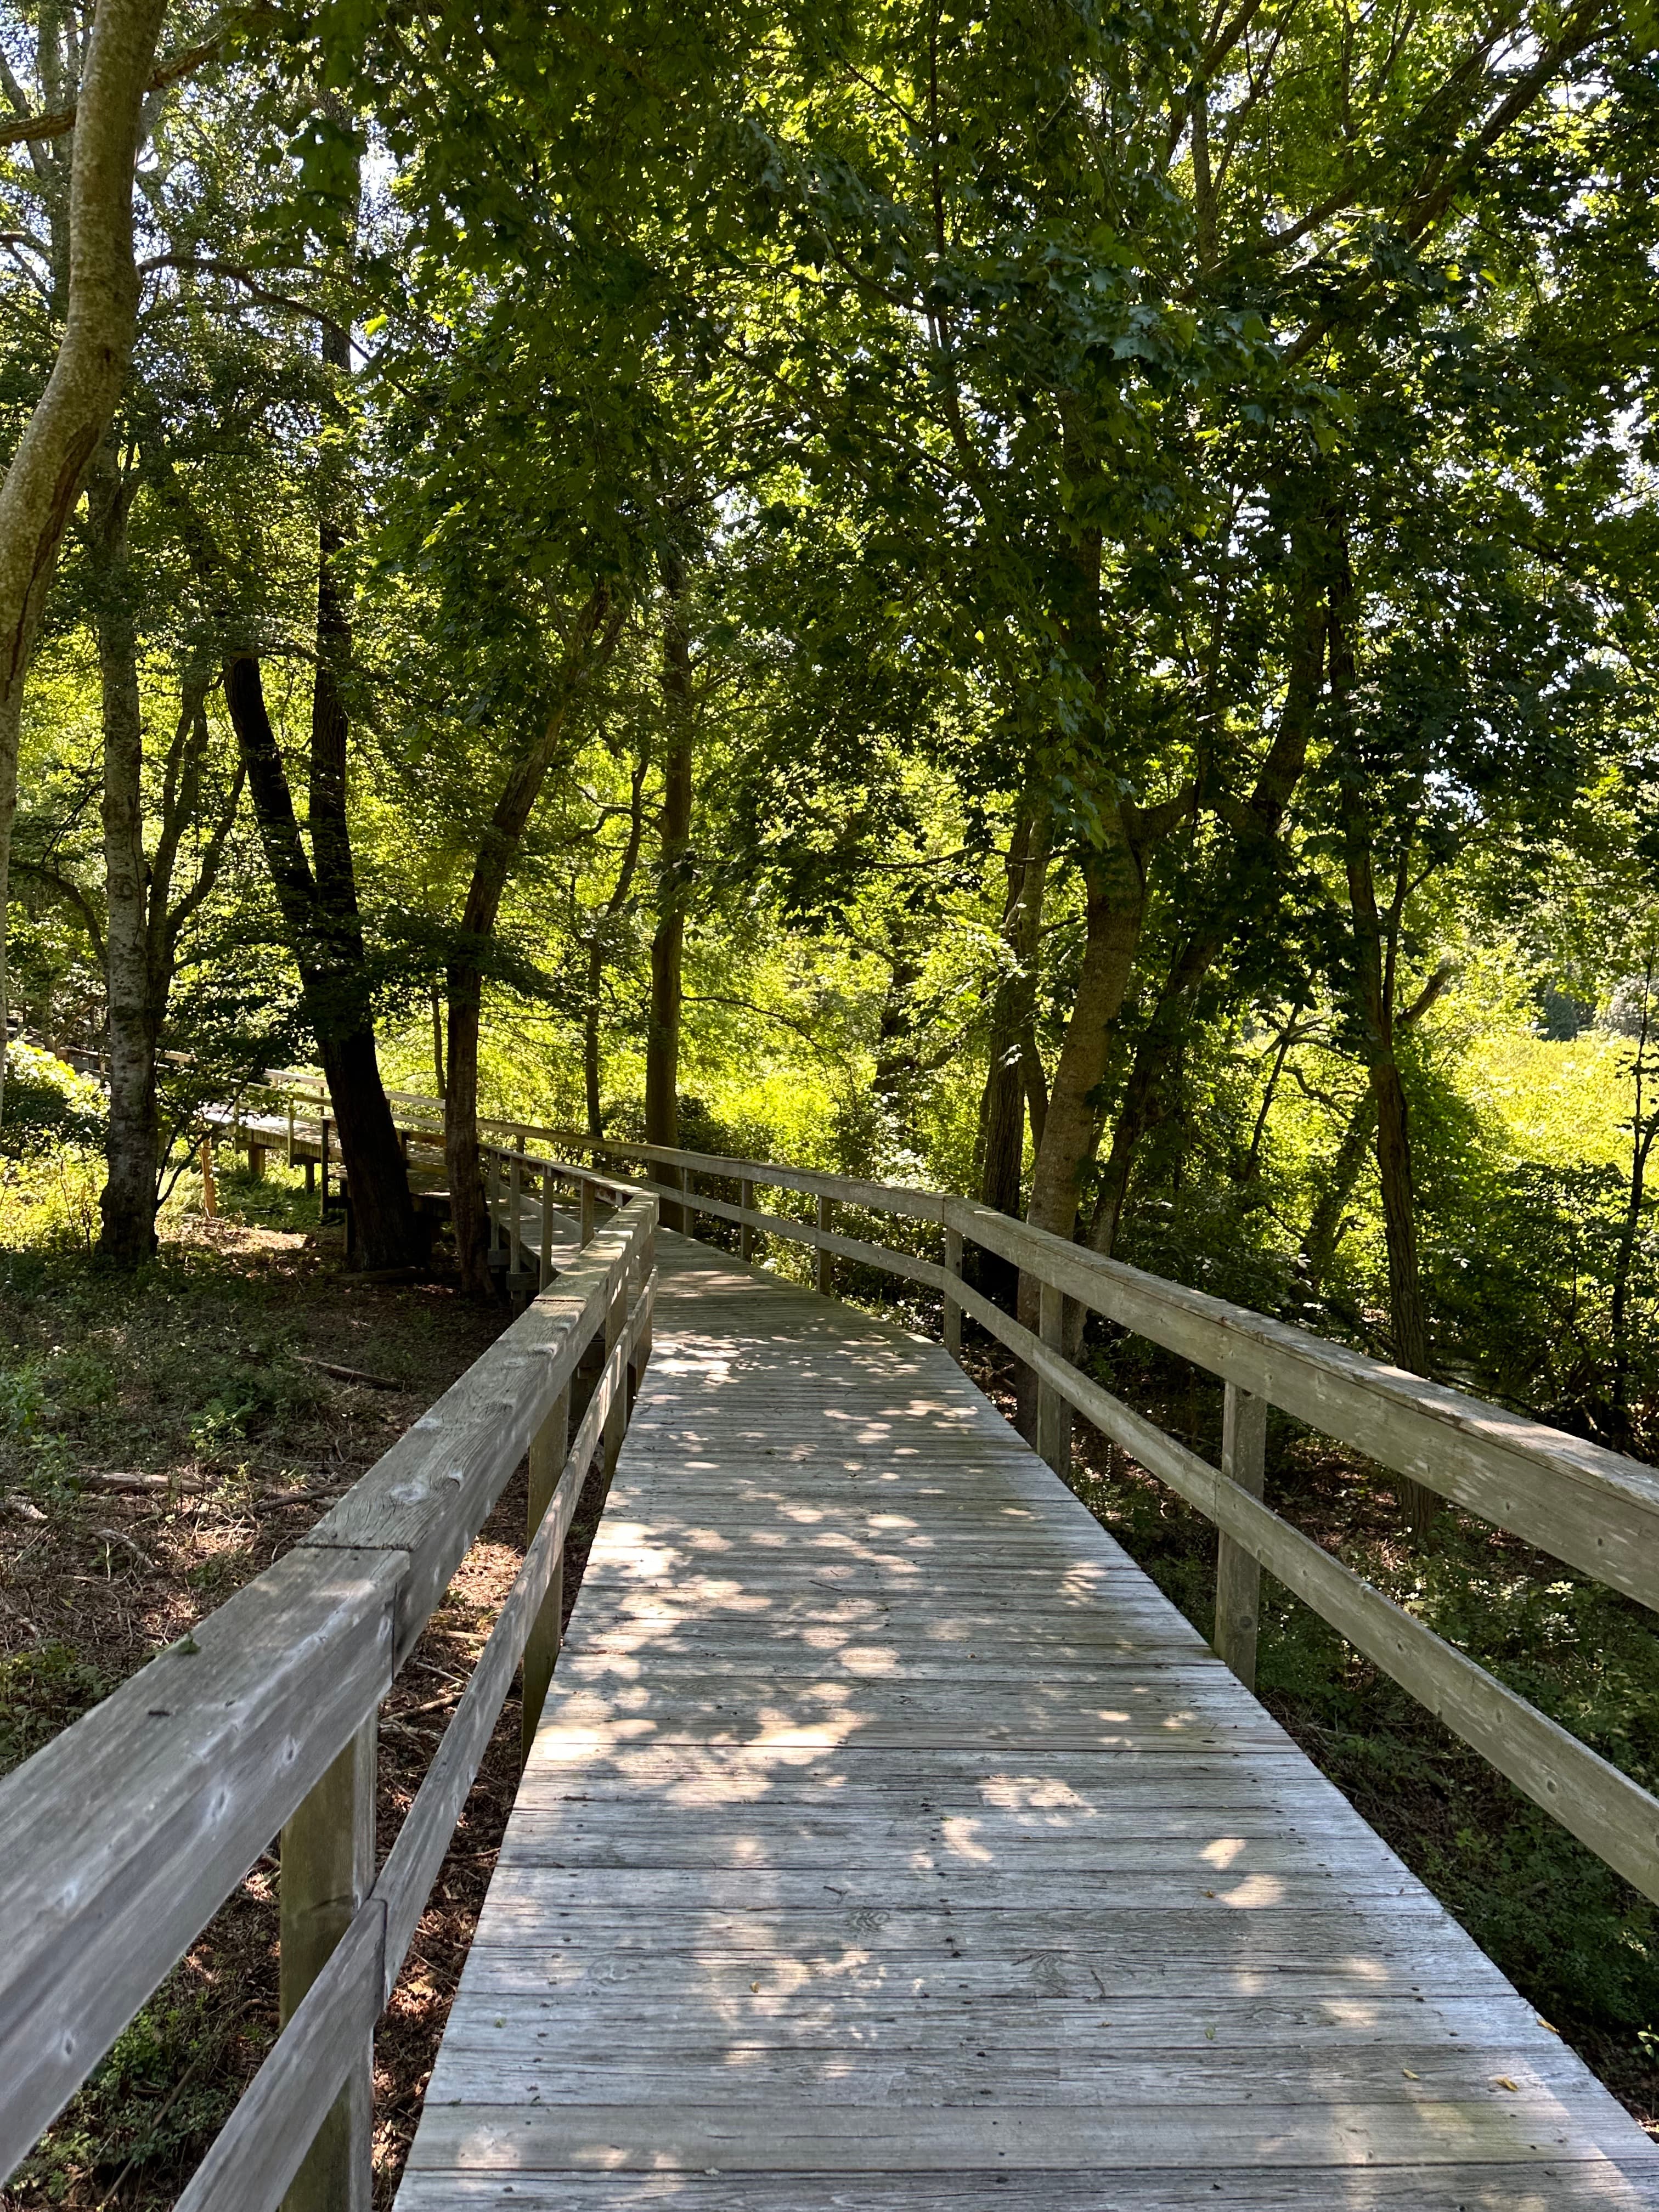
889, 1840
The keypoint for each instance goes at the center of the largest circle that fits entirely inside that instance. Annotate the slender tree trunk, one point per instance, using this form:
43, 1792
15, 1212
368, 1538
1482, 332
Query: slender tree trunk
1246, 878
1644, 1128
597, 942
591, 1070
1375, 939
590, 640
326, 938
128, 1204
1003, 1105
376, 1171
894, 1077
662, 1047
1325, 1223
1115, 905
44, 478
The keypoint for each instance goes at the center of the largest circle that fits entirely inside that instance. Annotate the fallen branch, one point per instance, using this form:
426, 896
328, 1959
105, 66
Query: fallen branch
333, 1368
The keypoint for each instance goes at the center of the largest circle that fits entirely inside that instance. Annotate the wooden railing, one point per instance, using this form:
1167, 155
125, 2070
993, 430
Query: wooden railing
1593, 1509
120, 1840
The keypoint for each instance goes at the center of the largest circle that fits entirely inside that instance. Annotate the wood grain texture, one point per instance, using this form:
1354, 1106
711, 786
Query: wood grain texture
119, 1840
885, 1822
430, 1494
1535, 2187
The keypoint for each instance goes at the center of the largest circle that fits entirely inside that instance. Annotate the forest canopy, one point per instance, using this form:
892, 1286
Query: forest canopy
1050, 600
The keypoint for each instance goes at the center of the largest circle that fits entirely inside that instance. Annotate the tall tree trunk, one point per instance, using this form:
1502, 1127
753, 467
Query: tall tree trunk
662, 1045
44, 478
1644, 1128
1324, 1230
590, 640
894, 1076
1114, 907
1374, 947
1003, 1103
376, 1171
325, 939
598, 942
127, 1207
1246, 878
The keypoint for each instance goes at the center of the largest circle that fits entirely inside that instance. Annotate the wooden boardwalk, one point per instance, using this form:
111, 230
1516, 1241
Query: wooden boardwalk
889, 1841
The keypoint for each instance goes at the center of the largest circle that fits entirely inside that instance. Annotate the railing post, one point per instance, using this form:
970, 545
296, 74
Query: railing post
544, 1255
1237, 1575
952, 1311
1053, 1414
492, 1197
822, 1276
327, 1871
746, 1232
289, 1161
322, 1203
647, 1268
616, 1421
587, 1211
514, 1202
548, 1450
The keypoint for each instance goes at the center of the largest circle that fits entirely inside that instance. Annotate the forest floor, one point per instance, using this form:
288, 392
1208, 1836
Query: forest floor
213, 1385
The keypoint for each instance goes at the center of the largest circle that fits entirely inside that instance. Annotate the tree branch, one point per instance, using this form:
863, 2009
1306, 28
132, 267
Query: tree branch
181, 64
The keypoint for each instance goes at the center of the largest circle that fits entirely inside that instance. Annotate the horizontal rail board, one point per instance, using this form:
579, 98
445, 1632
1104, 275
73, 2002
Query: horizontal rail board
260, 2148
412, 1864
927, 1205
1605, 1809
1595, 1508
123, 1836
433, 1492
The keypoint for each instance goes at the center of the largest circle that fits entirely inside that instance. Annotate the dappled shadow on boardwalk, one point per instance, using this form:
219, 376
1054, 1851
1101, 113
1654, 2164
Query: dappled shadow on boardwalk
891, 1839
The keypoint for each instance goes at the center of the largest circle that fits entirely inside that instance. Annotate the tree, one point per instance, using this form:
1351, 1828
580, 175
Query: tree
100, 305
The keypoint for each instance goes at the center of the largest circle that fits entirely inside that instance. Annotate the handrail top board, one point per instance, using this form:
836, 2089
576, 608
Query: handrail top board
1505, 1467
1593, 1508
122, 1836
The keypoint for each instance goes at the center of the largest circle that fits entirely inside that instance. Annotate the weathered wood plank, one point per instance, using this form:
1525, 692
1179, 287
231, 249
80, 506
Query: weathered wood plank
121, 1838
1535, 2187
1081, 2032
776, 1904
521, 2063
730, 2136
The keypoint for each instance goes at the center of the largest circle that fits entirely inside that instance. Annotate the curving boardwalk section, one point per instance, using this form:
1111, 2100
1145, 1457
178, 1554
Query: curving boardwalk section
889, 1841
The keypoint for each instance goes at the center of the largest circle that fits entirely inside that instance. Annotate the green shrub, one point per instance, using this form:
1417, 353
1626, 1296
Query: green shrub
48, 1105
